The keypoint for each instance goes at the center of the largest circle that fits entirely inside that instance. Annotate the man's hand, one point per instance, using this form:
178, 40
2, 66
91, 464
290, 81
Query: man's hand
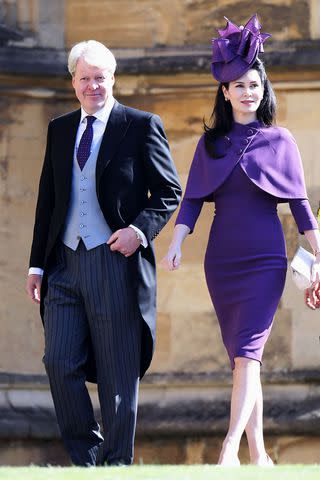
124, 241
312, 297
33, 287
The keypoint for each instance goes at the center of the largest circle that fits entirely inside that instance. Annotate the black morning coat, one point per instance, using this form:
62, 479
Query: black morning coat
137, 184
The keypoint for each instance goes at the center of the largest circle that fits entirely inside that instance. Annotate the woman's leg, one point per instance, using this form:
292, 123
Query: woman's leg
254, 432
246, 384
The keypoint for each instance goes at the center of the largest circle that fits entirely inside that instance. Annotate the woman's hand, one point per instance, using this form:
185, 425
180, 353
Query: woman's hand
173, 258
312, 296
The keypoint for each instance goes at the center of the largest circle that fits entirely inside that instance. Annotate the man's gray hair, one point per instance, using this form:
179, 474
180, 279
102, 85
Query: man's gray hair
94, 53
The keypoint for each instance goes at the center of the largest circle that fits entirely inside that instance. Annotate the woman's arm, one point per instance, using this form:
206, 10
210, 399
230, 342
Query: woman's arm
313, 237
308, 226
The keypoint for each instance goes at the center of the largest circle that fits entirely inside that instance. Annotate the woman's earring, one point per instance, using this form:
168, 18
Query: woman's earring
226, 99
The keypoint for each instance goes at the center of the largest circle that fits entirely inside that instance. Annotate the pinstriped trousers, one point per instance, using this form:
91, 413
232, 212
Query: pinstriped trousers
90, 295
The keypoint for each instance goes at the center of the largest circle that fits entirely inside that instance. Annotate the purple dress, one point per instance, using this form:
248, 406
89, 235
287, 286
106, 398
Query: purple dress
245, 261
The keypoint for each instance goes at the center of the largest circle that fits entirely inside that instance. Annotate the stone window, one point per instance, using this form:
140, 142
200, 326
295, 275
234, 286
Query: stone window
20, 14
40, 21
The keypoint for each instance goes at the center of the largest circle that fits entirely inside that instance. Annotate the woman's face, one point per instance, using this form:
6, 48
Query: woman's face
245, 95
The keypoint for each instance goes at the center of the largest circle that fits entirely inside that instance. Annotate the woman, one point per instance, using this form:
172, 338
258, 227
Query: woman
246, 166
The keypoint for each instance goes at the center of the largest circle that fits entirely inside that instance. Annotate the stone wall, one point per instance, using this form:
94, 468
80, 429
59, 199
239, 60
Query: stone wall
150, 23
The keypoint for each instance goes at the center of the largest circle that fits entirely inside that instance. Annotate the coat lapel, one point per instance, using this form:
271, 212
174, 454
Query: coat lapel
116, 129
67, 138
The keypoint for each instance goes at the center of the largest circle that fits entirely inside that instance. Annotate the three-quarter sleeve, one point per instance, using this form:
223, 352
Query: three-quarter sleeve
189, 212
303, 215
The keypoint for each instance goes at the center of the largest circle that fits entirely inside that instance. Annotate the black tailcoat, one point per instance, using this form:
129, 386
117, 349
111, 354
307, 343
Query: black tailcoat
136, 184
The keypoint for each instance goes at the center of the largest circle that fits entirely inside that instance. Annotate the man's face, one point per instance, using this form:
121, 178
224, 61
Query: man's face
92, 85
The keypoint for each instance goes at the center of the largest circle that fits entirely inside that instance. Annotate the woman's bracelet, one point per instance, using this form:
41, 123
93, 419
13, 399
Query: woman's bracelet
316, 252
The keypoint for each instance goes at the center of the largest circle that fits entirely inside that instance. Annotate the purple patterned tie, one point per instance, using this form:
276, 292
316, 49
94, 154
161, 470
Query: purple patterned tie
85, 142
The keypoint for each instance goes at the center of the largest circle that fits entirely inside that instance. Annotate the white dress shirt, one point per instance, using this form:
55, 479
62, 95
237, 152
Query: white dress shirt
99, 125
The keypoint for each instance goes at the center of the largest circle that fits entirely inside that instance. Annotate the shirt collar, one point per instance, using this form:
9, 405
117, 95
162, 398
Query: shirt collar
102, 114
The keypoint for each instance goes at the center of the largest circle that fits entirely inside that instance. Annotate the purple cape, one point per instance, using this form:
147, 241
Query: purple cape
268, 155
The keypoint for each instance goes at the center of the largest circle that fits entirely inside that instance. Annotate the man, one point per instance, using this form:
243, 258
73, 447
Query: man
108, 186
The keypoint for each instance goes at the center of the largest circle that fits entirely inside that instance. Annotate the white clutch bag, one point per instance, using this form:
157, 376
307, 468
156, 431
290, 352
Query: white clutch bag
301, 268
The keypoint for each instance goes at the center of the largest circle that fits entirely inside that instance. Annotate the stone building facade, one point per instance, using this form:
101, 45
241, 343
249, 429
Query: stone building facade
163, 52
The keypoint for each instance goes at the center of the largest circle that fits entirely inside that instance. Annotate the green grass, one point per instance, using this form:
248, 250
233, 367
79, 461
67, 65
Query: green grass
194, 472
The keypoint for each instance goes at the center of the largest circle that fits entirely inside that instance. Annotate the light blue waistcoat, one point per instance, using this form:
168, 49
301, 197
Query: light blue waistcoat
85, 219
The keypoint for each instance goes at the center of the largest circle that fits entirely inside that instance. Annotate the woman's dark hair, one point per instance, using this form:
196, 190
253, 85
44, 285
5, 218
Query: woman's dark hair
222, 117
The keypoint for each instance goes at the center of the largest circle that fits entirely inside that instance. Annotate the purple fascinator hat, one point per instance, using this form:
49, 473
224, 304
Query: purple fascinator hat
237, 49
